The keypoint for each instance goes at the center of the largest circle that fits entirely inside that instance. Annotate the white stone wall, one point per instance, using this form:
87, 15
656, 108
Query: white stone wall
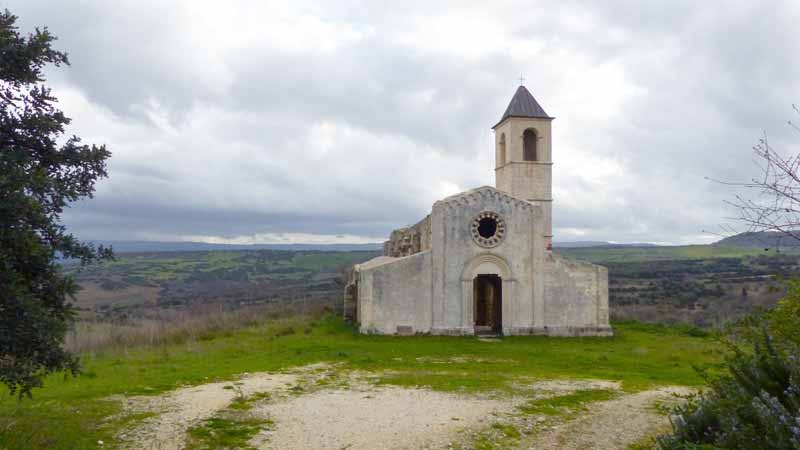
395, 292
454, 252
577, 298
431, 291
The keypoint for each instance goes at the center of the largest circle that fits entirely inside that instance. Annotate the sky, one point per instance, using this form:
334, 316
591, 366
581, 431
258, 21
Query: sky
333, 122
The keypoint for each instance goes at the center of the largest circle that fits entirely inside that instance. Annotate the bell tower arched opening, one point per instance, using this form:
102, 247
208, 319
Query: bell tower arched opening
529, 138
501, 150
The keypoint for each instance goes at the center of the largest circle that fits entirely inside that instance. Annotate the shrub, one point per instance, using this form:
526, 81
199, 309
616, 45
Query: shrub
784, 319
756, 405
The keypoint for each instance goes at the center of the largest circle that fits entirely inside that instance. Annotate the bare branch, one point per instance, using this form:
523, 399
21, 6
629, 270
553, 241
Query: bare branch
775, 201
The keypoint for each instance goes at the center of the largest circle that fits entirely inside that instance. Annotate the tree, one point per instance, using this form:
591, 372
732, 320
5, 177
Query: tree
756, 402
775, 206
38, 177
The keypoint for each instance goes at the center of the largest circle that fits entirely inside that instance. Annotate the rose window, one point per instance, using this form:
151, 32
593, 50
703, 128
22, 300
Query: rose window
488, 229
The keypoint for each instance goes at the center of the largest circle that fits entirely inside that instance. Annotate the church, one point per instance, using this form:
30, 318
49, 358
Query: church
481, 263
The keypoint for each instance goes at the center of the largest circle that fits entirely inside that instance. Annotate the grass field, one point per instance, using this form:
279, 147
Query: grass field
640, 254
147, 284
156, 268
77, 413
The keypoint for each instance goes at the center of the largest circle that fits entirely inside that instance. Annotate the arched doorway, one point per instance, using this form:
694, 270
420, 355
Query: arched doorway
488, 304
487, 295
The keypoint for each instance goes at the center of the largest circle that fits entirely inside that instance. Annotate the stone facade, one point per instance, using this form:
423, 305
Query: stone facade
481, 261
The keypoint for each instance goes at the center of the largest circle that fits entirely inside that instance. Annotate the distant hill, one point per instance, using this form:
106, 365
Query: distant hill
759, 239
152, 246
156, 246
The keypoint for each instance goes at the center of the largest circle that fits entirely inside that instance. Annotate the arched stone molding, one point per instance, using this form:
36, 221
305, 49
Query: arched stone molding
486, 264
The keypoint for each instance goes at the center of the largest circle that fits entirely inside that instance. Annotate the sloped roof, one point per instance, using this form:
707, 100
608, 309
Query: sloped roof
523, 105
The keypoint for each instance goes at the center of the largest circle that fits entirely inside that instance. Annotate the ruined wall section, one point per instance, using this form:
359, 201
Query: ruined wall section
410, 240
351, 295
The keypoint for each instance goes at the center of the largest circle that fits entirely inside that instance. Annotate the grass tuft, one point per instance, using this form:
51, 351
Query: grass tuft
220, 434
566, 404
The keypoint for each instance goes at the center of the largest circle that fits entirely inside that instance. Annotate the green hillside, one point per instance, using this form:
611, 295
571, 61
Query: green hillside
660, 253
136, 284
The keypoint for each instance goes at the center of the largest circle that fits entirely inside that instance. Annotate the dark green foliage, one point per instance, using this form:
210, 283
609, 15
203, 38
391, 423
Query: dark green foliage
756, 405
784, 320
38, 178
704, 292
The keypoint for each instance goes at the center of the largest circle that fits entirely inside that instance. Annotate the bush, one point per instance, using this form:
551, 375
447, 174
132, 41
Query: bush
784, 319
756, 405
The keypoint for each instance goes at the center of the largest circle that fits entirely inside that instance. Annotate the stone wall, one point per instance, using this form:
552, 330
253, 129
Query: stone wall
576, 294
350, 309
394, 294
457, 259
410, 240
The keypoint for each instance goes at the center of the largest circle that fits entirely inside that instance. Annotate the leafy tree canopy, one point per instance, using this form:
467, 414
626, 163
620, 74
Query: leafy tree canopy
41, 171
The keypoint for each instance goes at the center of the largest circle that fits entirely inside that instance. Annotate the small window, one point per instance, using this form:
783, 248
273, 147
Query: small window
502, 145
529, 145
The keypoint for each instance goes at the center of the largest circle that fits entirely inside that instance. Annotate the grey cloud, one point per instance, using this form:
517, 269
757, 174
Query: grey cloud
408, 116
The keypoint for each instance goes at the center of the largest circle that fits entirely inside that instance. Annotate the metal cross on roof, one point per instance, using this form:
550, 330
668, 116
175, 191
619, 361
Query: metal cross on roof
521, 80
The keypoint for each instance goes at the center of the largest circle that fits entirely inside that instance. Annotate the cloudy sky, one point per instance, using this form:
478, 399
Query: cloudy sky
297, 121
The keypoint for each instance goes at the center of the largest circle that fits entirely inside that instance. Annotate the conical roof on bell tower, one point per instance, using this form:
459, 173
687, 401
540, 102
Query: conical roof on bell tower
523, 105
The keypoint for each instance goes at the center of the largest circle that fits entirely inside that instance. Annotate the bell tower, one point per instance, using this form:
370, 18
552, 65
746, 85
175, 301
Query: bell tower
523, 154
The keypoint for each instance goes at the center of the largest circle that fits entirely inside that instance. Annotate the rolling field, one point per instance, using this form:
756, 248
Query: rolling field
137, 284
601, 255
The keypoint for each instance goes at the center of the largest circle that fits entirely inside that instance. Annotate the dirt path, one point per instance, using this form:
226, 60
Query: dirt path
610, 425
375, 418
180, 409
315, 408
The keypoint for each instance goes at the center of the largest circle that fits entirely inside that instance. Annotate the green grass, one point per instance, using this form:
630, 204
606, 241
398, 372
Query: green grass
220, 433
568, 403
499, 436
72, 413
242, 403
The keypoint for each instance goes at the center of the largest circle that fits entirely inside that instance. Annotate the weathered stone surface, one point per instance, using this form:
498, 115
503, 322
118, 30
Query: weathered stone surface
407, 241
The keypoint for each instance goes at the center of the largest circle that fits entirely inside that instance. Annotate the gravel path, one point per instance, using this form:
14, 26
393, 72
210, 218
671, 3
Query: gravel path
375, 419
610, 425
183, 407
357, 415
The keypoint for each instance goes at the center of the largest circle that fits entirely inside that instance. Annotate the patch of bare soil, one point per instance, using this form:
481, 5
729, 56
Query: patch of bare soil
180, 409
562, 387
609, 425
368, 418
